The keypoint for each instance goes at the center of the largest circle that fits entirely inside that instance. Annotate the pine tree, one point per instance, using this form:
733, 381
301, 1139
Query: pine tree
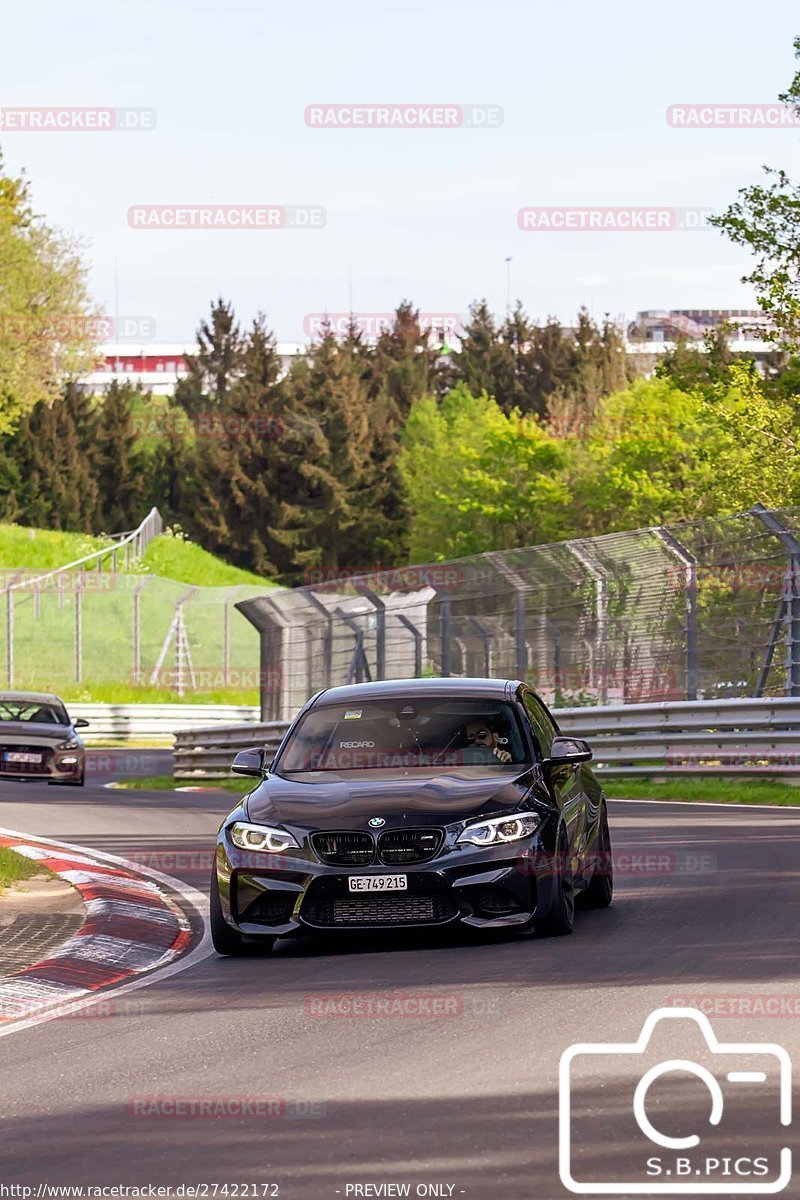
52, 453
260, 466
213, 370
323, 522
484, 362
119, 470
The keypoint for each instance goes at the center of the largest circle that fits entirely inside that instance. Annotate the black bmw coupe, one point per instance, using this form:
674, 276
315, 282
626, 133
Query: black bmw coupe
413, 803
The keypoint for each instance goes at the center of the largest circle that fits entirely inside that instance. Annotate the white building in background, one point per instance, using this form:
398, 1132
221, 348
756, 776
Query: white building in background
156, 367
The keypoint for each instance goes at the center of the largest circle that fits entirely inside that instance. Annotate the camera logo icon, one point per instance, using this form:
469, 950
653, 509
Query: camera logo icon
675, 1112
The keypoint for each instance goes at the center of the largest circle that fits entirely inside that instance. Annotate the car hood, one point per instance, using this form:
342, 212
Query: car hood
424, 799
19, 733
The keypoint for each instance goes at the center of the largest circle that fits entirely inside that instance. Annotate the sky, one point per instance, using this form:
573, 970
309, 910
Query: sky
430, 214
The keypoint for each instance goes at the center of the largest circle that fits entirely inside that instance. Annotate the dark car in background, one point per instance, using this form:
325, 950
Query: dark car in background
38, 740
413, 804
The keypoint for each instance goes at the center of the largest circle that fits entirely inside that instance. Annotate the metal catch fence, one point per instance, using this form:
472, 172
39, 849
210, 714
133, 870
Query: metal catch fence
702, 610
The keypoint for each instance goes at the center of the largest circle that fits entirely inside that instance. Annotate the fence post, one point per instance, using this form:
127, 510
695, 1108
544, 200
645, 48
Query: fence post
226, 620
9, 638
690, 599
521, 589
417, 636
137, 636
791, 600
601, 614
78, 629
328, 651
380, 628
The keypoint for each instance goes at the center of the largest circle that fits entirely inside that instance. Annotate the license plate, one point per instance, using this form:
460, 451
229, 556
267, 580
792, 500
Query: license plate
378, 883
21, 756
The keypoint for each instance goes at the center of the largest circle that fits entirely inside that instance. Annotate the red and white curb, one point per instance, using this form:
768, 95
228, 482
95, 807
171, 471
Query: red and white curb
135, 933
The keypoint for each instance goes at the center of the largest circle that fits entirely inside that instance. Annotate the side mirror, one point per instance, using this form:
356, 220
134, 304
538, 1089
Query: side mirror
568, 751
81, 723
249, 762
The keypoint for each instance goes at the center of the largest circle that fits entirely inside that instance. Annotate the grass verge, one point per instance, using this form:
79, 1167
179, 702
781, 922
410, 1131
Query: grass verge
14, 867
166, 783
706, 791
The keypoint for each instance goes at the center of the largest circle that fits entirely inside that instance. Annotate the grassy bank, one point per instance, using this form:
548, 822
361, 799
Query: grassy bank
707, 791
166, 783
14, 867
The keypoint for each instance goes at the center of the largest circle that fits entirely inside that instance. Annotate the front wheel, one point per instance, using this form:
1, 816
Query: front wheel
601, 889
560, 919
226, 940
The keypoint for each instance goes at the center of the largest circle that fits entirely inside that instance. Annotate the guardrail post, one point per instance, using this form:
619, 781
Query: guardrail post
791, 600
690, 601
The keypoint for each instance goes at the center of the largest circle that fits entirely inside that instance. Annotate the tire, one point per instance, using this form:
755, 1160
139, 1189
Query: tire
560, 920
226, 940
601, 889
68, 782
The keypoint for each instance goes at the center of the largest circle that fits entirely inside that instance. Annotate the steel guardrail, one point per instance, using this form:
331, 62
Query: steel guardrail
704, 737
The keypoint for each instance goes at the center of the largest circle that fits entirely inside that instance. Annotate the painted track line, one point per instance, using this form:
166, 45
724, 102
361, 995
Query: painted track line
77, 857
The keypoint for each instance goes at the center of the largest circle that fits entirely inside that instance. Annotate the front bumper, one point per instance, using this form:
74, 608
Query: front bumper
477, 887
56, 766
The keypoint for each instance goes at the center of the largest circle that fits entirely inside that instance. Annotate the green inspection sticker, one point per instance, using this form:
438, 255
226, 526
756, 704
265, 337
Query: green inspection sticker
352, 714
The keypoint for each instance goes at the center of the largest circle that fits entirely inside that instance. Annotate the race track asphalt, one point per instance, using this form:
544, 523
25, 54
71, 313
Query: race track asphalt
706, 905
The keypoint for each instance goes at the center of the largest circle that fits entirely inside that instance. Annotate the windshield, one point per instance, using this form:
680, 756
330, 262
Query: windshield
404, 733
38, 714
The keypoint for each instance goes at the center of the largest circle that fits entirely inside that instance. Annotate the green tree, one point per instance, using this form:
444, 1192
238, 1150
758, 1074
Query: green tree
119, 471
324, 519
52, 452
480, 479
46, 330
214, 368
766, 219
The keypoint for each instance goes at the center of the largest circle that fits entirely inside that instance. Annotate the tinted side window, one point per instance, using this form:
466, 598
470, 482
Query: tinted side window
543, 729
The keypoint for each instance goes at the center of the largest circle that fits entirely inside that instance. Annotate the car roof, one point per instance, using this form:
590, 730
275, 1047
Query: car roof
31, 698
400, 689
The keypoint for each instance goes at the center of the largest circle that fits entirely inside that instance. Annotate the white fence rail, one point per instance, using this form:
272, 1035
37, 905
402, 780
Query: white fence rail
156, 722
705, 737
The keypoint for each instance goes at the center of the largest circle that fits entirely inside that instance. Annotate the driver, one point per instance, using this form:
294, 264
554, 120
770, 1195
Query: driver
479, 734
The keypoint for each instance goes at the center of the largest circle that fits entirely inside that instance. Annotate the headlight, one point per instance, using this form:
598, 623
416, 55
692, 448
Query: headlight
501, 829
70, 744
261, 837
